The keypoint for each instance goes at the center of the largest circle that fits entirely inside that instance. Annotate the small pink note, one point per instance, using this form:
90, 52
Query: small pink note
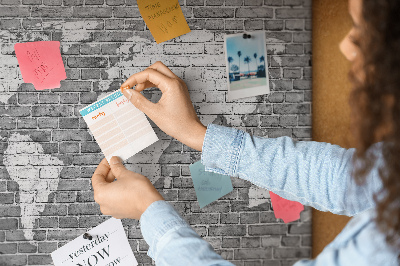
284, 209
41, 64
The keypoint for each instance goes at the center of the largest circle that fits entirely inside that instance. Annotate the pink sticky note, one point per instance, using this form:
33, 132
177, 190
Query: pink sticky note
41, 64
284, 209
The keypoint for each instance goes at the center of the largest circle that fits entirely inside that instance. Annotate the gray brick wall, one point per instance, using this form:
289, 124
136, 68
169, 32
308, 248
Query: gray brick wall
47, 155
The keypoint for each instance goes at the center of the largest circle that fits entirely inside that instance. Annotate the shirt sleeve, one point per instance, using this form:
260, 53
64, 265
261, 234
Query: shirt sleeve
313, 173
172, 241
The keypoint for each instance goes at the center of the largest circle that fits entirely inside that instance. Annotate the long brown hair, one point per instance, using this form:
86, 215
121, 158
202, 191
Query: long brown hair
376, 106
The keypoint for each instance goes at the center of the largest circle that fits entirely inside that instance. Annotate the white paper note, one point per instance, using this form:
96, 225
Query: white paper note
108, 247
118, 126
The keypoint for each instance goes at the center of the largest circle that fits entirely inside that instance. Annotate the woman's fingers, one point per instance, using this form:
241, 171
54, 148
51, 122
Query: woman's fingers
159, 80
100, 175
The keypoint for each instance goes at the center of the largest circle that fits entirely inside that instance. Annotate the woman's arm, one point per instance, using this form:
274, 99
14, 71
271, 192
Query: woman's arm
124, 194
172, 241
315, 174
312, 173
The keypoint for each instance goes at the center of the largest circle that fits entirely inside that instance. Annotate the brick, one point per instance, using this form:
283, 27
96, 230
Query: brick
6, 198
27, 248
194, 2
227, 230
67, 122
115, 2
10, 24
92, 12
13, 260
293, 13
292, 109
136, 24
9, 248
49, 98
8, 223
71, 185
126, 12
267, 229
281, 253
230, 242
52, 2
229, 218
52, 110
54, 209
253, 24
250, 242
273, 24
39, 259
84, 62
295, 24
253, 2
290, 241
7, 123
47, 247
6, 11
48, 222
210, 12
249, 218
47, 123
243, 254
94, 2
300, 229
51, 12
292, 73
83, 209
64, 234
68, 222
254, 12
90, 49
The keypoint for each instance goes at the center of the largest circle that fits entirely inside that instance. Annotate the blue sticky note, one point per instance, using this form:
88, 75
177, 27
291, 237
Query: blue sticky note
209, 186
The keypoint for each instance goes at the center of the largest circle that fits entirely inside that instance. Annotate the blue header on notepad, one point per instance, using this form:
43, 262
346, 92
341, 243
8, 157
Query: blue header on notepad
100, 103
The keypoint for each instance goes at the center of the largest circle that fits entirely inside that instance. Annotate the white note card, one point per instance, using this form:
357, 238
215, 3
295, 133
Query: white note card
118, 126
108, 247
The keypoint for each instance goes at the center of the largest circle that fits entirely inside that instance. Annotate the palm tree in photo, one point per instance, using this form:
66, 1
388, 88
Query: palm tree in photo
230, 60
239, 55
255, 59
247, 60
262, 59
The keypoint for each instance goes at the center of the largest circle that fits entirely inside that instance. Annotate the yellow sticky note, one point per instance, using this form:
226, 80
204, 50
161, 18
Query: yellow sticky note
164, 18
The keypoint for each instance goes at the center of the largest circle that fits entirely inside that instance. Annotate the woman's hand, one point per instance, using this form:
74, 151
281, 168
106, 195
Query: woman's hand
174, 112
127, 197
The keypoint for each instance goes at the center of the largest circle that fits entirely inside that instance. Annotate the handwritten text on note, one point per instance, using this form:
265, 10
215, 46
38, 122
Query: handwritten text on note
41, 64
164, 18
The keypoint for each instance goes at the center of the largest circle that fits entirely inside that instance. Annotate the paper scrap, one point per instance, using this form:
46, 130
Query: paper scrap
164, 18
284, 209
209, 186
41, 64
118, 126
108, 246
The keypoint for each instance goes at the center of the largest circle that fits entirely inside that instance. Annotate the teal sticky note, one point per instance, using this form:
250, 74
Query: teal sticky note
209, 186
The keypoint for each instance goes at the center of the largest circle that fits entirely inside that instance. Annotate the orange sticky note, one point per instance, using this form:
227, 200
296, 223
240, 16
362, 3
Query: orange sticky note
284, 209
164, 18
41, 64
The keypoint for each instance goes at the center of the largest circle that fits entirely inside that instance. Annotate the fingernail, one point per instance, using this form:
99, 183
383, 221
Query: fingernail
129, 92
115, 160
124, 88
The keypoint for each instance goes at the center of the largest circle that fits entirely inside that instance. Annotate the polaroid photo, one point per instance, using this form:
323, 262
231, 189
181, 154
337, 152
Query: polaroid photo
246, 64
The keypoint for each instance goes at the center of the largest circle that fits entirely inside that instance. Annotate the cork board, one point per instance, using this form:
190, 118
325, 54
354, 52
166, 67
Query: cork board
331, 89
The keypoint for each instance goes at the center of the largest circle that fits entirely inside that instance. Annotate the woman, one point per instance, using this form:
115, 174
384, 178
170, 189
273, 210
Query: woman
317, 174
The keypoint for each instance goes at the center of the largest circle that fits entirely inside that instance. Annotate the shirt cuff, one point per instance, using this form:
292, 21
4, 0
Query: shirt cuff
221, 150
157, 220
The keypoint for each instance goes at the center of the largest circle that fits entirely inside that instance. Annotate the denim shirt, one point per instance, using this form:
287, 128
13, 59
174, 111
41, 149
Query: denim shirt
313, 173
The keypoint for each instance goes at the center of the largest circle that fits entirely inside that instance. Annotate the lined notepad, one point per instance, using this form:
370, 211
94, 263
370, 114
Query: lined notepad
118, 126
